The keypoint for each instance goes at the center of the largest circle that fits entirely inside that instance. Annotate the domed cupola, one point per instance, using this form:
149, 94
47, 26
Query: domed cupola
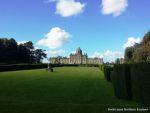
79, 51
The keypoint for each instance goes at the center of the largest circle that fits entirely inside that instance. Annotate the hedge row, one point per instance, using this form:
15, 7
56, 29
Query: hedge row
140, 76
132, 81
122, 81
107, 73
62, 65
80, 65
89, 65
101, 67
14, 67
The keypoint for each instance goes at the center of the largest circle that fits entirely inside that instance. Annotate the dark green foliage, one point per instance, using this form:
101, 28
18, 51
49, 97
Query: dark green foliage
132, 81
62, 65
140, 75
107, 73
122, 81
89, 65
136, 83
139, 52
13, 53
14, 67
8, 50
80, 65
117, 61
39, 55
129, 54
128, 81
101, 67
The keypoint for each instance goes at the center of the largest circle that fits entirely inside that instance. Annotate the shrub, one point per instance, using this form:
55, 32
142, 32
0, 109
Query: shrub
89, 65
14, 67
122, 81
107, 73
132, 81
140, 76
61, 65
101, 67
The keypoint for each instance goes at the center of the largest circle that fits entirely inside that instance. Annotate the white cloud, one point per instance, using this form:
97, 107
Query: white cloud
113, 54
131, 41
96, 54
36, 47
56, 38
67, 8
108, 55
115, 7
59, 52
21, 42
73, 52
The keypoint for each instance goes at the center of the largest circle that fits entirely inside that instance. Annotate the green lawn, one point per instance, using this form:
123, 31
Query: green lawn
66, 90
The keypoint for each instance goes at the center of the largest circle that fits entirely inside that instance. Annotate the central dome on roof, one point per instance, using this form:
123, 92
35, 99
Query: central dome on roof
78, 50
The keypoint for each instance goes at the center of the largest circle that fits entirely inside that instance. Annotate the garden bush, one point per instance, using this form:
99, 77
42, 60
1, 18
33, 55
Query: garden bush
122, 81
101, 67
107, 72
89, 65
140, 76
14, 67
61, 65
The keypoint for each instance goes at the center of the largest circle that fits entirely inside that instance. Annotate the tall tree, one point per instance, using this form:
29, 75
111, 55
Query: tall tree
29, 51
8, 50
39, 55
142, 53
11, 52
117, 61
28, 45
146, 39
129, 54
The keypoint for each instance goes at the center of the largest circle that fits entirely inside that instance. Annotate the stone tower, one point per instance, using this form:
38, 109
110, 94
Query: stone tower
79, 51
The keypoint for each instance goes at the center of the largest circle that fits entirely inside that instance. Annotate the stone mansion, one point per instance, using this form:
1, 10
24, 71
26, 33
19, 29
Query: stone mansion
76, 58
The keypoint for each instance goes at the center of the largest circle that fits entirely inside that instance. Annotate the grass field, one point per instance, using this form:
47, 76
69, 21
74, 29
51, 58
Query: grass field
66, 90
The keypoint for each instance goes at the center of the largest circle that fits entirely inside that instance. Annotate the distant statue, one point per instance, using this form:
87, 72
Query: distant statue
49, 68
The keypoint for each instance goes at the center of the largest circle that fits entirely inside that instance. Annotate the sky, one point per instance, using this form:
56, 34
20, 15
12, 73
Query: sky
101, 28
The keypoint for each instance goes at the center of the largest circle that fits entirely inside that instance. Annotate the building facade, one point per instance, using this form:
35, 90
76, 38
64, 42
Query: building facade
76, 58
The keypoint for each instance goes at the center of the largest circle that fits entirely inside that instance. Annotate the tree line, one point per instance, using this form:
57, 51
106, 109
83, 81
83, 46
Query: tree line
11, 52
139, 52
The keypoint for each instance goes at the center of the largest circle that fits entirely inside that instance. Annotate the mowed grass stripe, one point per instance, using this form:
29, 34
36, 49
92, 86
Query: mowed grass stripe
66, 90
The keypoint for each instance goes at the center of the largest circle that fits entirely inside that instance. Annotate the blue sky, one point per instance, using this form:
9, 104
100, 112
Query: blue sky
102, 28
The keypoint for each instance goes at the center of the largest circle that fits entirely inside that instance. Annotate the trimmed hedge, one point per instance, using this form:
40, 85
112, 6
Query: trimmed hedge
132, 81
122, 81
89, 65
80, 65
140, 76
107, 73
61, 65
14, 67
101, 67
